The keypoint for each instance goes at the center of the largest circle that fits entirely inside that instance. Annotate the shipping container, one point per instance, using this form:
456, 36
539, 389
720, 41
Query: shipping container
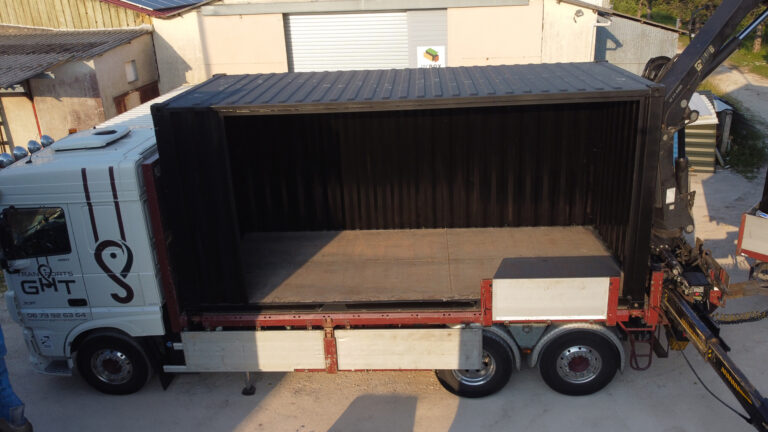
402, 188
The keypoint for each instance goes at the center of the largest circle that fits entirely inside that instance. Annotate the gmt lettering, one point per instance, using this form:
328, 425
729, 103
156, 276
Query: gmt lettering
41, 285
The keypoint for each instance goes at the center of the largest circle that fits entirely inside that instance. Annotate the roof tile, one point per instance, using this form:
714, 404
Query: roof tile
25, 53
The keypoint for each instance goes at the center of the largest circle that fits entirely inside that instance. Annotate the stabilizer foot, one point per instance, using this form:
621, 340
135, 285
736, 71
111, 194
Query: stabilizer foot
250, 388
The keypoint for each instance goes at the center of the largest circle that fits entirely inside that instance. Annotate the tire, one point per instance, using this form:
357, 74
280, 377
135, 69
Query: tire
579, 363
759, 272
498, 361
113, 364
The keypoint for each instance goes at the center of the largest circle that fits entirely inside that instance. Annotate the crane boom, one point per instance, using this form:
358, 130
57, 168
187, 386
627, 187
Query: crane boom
714, 43
691, 275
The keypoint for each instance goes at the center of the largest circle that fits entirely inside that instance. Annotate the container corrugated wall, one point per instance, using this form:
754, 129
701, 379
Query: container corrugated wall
457, 168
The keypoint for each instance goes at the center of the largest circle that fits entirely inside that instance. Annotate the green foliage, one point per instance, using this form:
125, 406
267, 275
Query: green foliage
667, 11
749, 61
748, 151
628, 7
662, 16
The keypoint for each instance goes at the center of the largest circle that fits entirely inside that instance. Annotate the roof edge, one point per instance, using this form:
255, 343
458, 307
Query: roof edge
146, 27
623, 15
162, 13
9, 78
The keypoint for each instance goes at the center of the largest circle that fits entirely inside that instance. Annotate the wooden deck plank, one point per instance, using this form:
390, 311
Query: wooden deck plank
395, 265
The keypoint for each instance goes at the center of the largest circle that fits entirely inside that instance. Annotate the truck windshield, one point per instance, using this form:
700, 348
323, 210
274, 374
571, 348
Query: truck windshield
34, 232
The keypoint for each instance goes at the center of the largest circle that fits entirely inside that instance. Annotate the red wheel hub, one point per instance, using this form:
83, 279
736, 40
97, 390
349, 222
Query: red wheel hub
112, 366
578, 364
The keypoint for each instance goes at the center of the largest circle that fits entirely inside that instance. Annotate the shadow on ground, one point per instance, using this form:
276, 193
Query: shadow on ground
386, 413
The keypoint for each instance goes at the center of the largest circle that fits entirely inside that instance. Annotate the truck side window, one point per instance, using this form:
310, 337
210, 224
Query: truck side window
35, 232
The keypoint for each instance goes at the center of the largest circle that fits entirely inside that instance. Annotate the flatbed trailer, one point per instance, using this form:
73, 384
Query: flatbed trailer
368, 259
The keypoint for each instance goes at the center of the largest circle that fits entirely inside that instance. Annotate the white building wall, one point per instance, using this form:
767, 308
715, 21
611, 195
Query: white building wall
111, 75
495, 35
193, 46
179, 50
568, 33
241, 44
20, 125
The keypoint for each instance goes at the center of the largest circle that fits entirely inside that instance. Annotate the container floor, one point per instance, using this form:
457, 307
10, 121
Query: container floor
440, 265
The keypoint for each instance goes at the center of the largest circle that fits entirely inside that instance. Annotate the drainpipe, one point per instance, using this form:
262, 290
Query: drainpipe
597, 24
5, 131
34, 110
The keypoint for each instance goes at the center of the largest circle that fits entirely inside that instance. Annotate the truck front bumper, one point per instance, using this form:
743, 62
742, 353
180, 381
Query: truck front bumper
43, 364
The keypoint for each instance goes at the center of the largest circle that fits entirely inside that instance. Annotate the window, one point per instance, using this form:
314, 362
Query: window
131, 73
34, 232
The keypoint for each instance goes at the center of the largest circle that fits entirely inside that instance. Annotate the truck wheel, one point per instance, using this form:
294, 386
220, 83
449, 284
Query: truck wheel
113, 363
579, 363
497, 367
759, 272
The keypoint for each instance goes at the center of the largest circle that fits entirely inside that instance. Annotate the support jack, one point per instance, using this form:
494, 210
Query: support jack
250, 388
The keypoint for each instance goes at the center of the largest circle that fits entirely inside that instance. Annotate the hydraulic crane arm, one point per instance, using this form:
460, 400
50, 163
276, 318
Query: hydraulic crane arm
714, 43
705, 337
693, 280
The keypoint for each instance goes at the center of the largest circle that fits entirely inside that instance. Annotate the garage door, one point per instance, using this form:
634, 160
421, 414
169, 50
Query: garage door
347, 41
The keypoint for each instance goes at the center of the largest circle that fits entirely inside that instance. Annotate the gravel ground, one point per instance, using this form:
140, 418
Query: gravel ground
750, 89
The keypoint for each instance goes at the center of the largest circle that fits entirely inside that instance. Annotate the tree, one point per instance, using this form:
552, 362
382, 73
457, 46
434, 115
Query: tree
684, 8
647, 5
757, 45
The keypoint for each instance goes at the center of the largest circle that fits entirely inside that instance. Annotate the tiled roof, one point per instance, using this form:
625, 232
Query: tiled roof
25, 53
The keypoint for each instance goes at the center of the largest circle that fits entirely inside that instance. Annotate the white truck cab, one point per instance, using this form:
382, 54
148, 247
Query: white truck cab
79, 266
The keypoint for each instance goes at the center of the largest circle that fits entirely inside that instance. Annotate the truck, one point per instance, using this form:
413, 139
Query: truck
753, 233
466, 220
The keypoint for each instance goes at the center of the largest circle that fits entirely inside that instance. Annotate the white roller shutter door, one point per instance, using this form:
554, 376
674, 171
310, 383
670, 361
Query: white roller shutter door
347, 41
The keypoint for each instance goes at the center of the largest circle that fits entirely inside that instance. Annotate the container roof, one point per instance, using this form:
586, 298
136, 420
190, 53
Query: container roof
394, 89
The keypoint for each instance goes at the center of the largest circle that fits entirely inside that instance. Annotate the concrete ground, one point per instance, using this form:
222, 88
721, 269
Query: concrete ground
667, 397
748, 88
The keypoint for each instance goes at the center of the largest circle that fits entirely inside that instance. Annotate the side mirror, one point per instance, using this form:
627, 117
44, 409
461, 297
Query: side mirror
4, 262
4, 265
4, 237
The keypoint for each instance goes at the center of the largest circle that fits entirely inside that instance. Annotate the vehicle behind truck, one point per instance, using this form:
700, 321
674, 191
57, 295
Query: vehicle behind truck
470, 221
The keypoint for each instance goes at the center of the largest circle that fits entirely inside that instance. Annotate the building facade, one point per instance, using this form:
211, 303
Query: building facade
230, 36
54, 82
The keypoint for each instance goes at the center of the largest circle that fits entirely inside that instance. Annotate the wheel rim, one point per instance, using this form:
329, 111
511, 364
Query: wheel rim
111, 366
475, 377
762, 274
579, 364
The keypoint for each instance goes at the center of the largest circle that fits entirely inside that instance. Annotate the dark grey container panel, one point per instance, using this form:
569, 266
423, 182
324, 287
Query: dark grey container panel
416, 88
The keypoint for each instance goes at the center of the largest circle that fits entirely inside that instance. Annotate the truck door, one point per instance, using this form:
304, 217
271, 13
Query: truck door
44, 272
